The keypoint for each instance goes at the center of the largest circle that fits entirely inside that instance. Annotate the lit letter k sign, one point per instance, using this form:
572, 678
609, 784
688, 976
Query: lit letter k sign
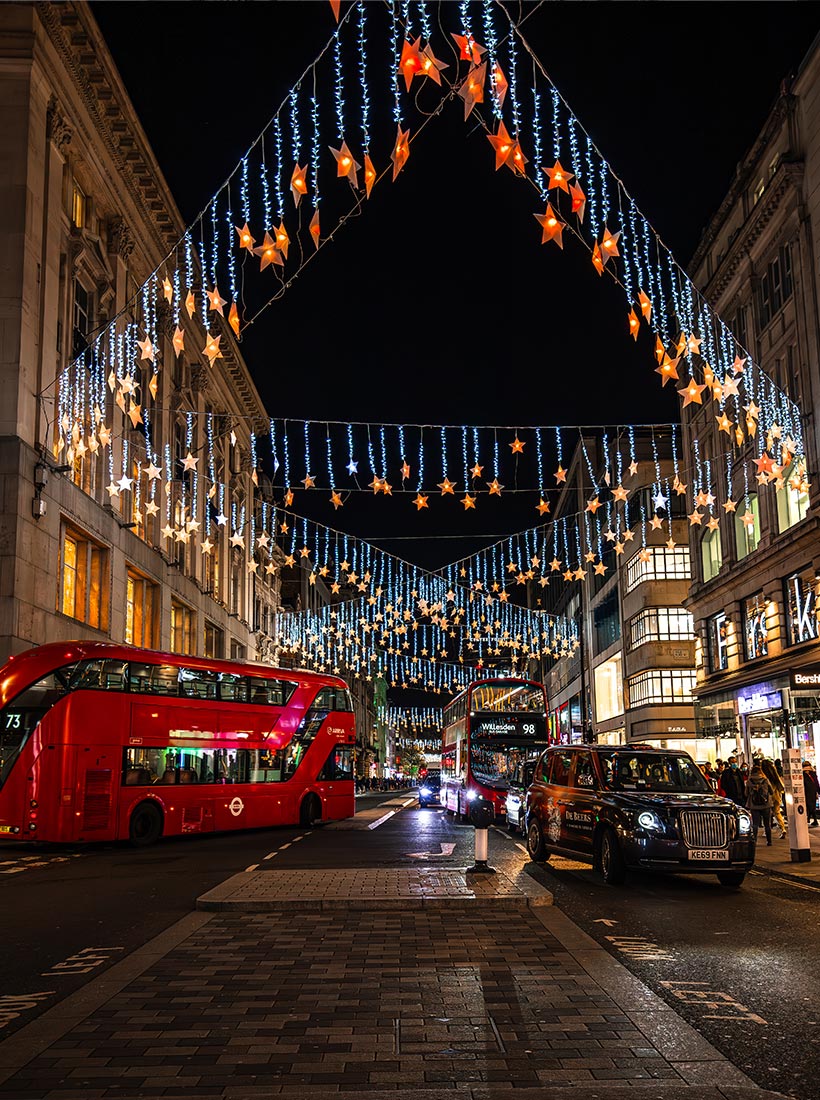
804, 620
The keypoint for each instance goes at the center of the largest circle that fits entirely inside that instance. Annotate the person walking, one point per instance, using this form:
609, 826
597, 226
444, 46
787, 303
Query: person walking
812, 789
731, 784
759, 799
778, 790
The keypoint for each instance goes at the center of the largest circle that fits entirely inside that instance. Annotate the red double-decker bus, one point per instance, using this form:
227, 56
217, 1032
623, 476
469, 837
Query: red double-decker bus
111, 742
489, 728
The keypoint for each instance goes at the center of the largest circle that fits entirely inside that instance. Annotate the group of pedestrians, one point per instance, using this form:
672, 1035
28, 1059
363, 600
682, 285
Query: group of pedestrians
761, 790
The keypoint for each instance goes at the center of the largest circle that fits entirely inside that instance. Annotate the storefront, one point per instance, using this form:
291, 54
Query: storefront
762, 718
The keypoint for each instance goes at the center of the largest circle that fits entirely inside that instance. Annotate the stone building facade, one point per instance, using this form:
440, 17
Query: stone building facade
755, 578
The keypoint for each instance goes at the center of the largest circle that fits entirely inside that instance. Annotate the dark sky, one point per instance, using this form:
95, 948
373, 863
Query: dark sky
445, 305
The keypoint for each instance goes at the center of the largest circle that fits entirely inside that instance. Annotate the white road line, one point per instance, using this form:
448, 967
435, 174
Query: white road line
270, 855
283, 846
381, 820
302, 837
252, 867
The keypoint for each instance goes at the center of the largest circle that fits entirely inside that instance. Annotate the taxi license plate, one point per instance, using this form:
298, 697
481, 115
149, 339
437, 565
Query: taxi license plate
715, 854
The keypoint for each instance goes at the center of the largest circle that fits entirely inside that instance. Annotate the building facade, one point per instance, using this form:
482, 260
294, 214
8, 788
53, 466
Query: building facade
148, 525
754, 594
630, 678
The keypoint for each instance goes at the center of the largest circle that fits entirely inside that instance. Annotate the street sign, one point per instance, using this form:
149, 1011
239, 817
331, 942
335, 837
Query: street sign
796, 806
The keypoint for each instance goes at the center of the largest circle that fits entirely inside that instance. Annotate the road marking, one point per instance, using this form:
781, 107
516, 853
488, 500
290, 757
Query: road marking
381, 820
604, 920
13, 1005
638, 947
446, 850
714, 999
302, 837
270, 855
83, 962
252, 867
283, 846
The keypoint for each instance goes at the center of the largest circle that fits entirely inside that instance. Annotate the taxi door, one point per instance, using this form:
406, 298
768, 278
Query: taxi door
581, 808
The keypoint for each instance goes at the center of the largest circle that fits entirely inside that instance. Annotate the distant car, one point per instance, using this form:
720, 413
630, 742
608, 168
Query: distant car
520, 780
635, 806
429, 788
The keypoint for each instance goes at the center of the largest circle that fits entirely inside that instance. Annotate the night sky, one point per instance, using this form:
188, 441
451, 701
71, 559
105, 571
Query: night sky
440, 305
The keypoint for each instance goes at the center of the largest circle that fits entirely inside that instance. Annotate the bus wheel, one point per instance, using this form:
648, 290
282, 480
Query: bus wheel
146, 825
310, 811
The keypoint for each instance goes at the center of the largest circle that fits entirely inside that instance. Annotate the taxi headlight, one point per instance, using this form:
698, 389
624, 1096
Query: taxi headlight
649, 820
744, 823
425, 791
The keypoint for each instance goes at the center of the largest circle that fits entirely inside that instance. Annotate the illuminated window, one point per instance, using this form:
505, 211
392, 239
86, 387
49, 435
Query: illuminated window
747, 526
661, 624
756, 630
78, 207
661, 685
792, 499
801, 606
141, 610
711, 554
183, 628
83, 579
609, 689
663, 564
718, 642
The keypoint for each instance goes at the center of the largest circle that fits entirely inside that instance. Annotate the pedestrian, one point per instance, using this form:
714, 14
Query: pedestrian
778, 790
812, 789
731, 783
759, 799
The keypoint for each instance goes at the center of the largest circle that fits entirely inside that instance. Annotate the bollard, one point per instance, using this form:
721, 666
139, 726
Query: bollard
482, 816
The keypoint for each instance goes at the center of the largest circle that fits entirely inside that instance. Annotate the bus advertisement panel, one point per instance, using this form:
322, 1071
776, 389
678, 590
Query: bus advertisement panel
489, 728
110, 742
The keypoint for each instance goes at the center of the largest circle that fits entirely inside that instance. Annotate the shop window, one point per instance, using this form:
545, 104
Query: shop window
238, 651
801, 606
775, 286
606, 618
83, 593
661, 685
663, 564
609, 691
792, 499
747, 526
183, 628
719, 642
141, 610
660, 624
755, 630
711, 554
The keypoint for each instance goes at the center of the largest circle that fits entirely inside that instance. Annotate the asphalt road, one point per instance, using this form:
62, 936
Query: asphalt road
742, 967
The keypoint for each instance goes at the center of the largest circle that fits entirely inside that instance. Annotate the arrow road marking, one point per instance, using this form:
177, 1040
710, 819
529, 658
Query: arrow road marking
446, 850
603, 920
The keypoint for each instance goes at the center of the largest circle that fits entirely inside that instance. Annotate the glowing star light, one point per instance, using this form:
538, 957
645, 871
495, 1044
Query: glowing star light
472, 88
245, 239
579, 201
346, 165
558, 177
211, 348
552, 226
268, 253
216, 301
298, 183
410, 63
691, 393
178, 341
401, 151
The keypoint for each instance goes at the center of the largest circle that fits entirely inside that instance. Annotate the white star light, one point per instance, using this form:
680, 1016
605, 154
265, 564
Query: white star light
659, 500
352, 467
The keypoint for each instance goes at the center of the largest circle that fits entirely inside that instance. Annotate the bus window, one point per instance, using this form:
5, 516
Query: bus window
232, 688
339, 764
274, 693
100, 674
153, 679
21, 716
333, 698
198, 683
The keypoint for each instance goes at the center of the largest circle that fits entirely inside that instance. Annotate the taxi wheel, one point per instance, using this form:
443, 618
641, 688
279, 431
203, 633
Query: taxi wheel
613, 868
731, 878
536, 848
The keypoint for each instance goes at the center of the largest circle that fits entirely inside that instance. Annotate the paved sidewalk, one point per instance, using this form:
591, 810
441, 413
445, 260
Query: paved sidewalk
366, 1001
776, 860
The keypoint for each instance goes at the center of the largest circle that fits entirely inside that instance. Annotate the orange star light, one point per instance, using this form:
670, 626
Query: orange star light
215, 301
634, 324
495, 487
314, 227
645, 304
211, 348
668, 369
167, 290
233, 318
542, 507
552, 226
517, 446
369, 175
346, 165
190, 303
245, 238
268, 253
579, 201
469, 49
691, 393
597, 260
446, 486
420, 501
468, 501
298, 183
724, 423
431, 66
410, 63
609, 245
503, 145
401, 151
178, 341
560, 474
500, 85
472, 88
558, 177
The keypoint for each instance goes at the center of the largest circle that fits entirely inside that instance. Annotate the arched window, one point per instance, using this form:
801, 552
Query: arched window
747, 526
711, 554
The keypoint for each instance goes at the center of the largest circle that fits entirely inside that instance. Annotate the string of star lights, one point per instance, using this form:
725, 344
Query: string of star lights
416, 721
346, 125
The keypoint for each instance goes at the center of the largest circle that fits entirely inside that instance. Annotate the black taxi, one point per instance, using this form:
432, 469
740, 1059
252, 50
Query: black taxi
635, 806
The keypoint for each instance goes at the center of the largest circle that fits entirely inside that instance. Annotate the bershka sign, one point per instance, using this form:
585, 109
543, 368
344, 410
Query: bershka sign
808, 677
